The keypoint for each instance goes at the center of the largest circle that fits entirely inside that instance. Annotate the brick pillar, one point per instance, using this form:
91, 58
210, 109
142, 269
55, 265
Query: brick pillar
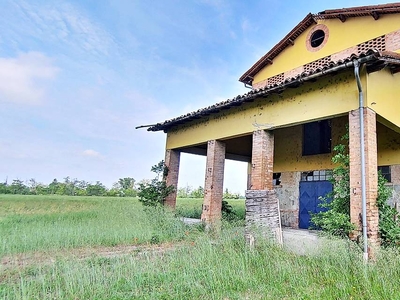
172, 158
262, 203
262, 160
213, 187
371, 174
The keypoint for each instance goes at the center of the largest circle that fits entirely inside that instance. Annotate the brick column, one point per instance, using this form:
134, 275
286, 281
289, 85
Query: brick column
262, 160
172, 159
371, 174
213, 187
262, 203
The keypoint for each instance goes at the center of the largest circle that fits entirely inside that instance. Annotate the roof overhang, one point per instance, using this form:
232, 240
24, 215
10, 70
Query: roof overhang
373, 59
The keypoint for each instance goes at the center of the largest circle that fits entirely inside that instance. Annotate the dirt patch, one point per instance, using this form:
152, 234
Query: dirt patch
23, 260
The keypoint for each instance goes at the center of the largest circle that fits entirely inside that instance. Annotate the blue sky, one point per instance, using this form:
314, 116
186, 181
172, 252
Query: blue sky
76, 77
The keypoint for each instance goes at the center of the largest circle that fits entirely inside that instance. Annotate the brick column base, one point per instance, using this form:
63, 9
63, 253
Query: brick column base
263, 215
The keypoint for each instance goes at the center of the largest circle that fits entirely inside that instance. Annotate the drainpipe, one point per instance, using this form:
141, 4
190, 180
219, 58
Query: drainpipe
362, 148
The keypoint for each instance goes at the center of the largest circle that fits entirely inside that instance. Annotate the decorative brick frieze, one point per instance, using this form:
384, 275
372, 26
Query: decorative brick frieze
260, 85
275, 80
214, 181
172, 159
392, 41
376, 44
294, 72
371, 172
345, 54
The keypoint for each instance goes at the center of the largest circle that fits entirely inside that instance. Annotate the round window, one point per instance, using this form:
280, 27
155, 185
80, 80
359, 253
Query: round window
317, 38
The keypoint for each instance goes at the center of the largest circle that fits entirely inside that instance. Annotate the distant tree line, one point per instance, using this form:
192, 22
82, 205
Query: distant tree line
189, 192
124, 187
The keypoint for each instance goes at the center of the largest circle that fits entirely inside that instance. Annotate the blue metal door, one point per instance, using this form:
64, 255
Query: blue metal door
310, 191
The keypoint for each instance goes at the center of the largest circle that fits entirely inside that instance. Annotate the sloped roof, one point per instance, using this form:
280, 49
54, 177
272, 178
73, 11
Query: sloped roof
374, 11
372, 57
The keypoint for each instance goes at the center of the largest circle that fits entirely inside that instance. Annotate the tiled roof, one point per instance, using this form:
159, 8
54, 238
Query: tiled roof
374, 11
371, 57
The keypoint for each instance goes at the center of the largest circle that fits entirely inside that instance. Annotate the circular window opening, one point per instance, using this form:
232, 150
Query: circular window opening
317, 38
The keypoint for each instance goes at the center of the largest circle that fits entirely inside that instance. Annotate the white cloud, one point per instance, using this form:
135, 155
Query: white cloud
92, 153
58, 24
25, 78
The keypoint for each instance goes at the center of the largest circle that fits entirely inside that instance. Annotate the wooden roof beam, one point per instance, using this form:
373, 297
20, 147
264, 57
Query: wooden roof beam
375, 15
342, 18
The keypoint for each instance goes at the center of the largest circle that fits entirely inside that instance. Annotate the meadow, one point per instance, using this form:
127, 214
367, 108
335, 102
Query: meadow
57, 247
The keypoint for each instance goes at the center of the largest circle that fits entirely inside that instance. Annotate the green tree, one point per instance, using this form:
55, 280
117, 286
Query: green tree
197, 193
18, 187
127, 187
335, 218
184, 192
389, 224
4, 188
97, 189
32, 184
53, 186
42, 189
229, 195
154, 192
80, 188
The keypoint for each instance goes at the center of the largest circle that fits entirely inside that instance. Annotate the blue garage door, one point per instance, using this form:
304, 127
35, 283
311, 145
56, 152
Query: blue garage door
310, 191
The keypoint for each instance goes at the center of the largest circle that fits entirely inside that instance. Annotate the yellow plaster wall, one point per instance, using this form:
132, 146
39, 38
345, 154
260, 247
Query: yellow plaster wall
341, 36
383, 95
388, 146
288, 148
329, 96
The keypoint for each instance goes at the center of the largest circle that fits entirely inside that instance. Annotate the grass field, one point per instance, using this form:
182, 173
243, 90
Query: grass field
55, 233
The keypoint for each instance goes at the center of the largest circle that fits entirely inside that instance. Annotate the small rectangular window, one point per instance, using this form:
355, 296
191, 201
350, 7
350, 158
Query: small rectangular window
317, 138
277, 178
385, 171
321, 175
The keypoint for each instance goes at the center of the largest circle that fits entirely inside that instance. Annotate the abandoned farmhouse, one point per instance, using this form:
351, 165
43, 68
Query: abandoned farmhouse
336, 69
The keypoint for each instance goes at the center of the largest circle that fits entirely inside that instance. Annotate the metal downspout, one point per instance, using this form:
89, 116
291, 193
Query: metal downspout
362, 150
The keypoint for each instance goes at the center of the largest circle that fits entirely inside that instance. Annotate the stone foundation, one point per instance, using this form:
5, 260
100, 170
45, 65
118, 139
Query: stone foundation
262, 215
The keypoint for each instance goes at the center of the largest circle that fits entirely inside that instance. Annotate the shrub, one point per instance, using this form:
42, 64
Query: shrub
336, 218
154, 192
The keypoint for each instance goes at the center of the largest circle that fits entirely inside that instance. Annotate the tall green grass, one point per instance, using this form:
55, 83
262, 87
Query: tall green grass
191, 207
219, 268
32, 223
202, 267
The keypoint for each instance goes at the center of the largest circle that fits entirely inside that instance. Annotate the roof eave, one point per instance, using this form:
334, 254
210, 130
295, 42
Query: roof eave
392, 58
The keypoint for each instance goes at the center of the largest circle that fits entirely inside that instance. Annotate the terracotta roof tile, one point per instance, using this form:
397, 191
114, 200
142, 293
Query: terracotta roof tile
370, 56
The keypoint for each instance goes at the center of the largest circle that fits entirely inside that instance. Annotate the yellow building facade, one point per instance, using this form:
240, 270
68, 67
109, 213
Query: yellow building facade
335, 70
